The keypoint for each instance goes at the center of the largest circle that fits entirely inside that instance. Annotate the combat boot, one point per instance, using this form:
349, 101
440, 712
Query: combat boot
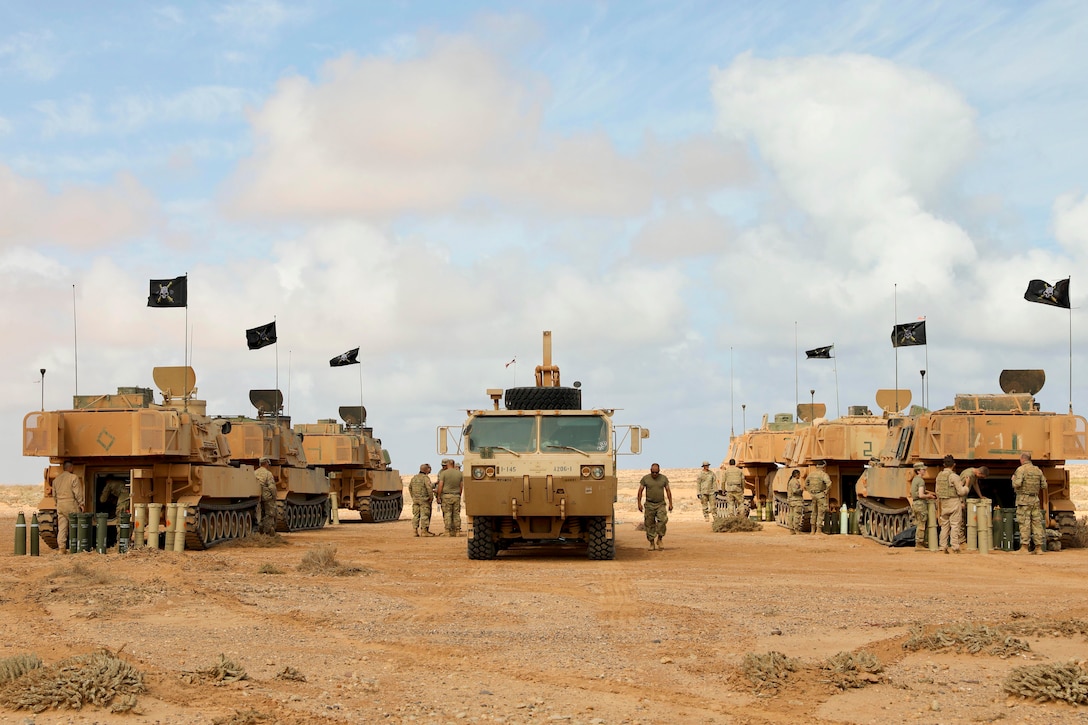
425, 532
416, 532
653, 545
793, 532
659, 546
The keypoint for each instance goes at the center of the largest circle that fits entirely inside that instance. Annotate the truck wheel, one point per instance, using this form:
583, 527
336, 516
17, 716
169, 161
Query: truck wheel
601, 546
543, 399
482, 544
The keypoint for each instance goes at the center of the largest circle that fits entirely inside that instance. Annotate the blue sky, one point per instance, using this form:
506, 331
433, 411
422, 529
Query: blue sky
685, 193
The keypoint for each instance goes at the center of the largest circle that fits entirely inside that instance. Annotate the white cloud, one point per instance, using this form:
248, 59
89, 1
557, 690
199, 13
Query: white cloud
76, 216
1071, 224
74, 117
253, 20
455, 127
29, 54
5, 126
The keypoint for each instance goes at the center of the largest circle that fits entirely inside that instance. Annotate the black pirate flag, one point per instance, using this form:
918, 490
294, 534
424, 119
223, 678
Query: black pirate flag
1044, 293
168, 292
351, 357
262, 336
908, 334
821, 353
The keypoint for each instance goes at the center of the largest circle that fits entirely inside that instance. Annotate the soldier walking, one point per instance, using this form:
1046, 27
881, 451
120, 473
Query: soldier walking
706, 484
450, 486
949, 491
655, 516
918, 497
419, 488
267, 510
733, 485
818, 484
1028, 481
68, 490
795, 501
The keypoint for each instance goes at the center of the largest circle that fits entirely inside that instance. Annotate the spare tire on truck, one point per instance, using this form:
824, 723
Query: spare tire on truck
543, 398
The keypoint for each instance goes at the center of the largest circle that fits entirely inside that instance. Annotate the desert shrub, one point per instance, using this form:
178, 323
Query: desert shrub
768, 671
730, 524
224, 670
267, 568
971, 638
12, 668
1066, 682
100, 678
853, 669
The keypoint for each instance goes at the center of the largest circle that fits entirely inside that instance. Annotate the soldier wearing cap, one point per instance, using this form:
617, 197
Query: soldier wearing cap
795, 502
450, 486
818, 484
419, 488
920, 509
705, 486
733, 485
267, 509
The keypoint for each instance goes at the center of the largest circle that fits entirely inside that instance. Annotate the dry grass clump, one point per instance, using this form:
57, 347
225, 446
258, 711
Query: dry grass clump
853, 669
78, 570
224, 670
767, 672
267, 568
99, 678
12, 668
1062, 628
972, 638
321, 561
255, 540
290, 674
730, 524
1066, 682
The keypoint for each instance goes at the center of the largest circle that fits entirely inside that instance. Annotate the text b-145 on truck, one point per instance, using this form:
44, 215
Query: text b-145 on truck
542, 470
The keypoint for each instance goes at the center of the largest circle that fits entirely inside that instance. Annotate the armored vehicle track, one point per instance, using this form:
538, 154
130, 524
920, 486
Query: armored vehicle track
377, 508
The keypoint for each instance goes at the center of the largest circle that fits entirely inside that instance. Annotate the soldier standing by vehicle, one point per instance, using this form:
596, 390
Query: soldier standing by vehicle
655, 516
69, 492
818, 484
733, 485
706, 484
918, 497
795, 499
419, 488
117, 488
949, 491
450, 485
1028, 481
267, 509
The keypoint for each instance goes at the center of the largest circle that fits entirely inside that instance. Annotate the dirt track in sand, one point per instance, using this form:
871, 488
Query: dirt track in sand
425, 635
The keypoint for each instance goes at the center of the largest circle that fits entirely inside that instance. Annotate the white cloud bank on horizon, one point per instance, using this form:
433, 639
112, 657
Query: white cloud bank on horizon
468, 132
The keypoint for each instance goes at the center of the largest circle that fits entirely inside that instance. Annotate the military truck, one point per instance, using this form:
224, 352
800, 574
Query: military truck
360, 475
989, 430
541, 470
302, 489
846, 445
170, 452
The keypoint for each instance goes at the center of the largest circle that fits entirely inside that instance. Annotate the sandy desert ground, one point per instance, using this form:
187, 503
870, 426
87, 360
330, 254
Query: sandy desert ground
421, 634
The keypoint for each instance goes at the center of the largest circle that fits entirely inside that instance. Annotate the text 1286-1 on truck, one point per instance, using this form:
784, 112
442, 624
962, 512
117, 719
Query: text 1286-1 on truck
541, 470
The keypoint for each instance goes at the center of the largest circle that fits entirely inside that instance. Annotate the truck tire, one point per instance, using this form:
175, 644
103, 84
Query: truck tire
482, 544
543, 398
601, 546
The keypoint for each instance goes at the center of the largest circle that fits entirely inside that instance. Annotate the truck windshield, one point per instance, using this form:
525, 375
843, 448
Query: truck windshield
581, 433
515, 434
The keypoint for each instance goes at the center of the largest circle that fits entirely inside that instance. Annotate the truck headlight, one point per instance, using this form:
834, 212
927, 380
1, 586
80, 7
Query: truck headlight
598, 472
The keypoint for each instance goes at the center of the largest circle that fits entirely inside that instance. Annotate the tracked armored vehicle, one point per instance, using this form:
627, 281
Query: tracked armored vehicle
846, 445
168, 453
978, 430
759, 453
360, 476
542, 470
302, 490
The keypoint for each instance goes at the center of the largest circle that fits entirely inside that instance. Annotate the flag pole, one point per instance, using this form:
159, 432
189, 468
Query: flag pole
1070, 278
835, 367
732, 410
185, 334
796, 375
288, 383
895, 342
925, 393
277, 345
75, 338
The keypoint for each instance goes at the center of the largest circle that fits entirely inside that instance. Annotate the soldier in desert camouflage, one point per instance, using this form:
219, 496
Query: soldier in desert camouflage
419, 488
267, 508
